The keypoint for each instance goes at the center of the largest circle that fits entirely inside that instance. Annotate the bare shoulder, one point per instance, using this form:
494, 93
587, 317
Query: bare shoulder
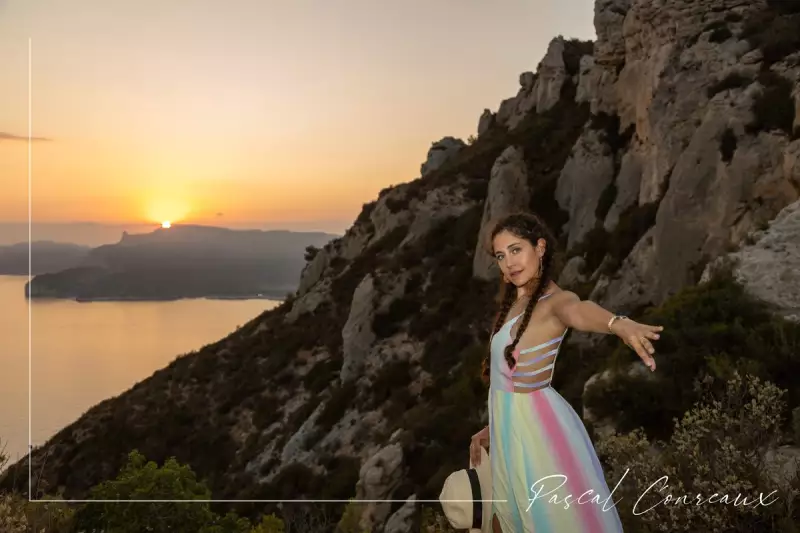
557, 303
561, 297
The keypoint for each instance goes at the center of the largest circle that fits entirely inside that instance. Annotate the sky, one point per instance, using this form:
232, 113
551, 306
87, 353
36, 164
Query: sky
230, 113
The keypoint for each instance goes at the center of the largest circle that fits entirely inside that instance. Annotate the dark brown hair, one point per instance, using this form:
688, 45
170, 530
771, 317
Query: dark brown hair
531, 228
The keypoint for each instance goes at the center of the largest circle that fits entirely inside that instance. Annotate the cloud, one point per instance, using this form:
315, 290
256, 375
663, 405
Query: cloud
11, 137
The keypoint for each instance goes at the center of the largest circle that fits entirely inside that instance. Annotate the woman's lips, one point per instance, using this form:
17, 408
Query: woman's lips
516, 273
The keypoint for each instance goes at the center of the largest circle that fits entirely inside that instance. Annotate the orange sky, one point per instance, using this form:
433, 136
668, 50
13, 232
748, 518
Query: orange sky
224, 112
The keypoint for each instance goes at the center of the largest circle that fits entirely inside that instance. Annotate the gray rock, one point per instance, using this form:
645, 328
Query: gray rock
357, 334
440, 152
550, 76
627, 185
526, 80
587, 172
769, 267
508, 191
538, 92
586, 82
486, 122
571, 273
439, 204
378, 478
402, 521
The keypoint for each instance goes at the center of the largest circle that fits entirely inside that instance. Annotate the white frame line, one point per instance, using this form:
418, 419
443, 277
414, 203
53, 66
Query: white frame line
30, 359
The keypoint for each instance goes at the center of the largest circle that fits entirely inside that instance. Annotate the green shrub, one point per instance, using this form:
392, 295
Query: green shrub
717, 447
396, 205
713, 329
774, 31
774, 107
322, 375
386, 324
392, 375
434, 521
140, 479
342, 396
366, 211
727, 145
574, 50
720, 35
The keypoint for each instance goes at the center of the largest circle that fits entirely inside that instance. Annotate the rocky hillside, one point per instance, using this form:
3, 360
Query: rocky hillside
653, 152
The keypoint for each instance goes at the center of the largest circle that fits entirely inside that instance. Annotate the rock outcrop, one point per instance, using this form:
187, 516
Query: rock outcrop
538, 92
508, 191
439, 152
768, 265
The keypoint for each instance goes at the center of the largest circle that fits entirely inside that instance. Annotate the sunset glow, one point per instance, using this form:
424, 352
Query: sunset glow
275, 112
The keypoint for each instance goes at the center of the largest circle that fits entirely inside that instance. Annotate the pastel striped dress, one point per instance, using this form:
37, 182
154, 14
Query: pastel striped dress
535, 433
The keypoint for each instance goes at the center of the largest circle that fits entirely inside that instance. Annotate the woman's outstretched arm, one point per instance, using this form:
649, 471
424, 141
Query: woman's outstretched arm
586, 315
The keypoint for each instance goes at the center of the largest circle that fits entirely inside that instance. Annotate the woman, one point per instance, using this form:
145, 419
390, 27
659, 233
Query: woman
545, 473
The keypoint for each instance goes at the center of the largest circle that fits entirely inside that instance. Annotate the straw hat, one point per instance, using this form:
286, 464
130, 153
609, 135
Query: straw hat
466, 496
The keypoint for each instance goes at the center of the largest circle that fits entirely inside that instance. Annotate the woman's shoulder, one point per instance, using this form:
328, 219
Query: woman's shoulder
559, 297
554, 293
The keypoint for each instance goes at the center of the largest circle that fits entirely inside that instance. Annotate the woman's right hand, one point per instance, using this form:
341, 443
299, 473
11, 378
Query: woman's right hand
479, 439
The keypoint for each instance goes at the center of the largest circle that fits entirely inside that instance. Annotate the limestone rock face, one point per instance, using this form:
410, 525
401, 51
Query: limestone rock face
402, 521
440, 152
379, 476
538, 92
769, 267
486, 121
508, 191
357, 334
693, 156
588, 171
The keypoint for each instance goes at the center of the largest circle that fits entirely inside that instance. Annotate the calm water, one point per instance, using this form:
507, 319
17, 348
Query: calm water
83, 353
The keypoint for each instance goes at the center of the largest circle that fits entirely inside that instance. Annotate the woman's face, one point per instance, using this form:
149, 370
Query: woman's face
517, 258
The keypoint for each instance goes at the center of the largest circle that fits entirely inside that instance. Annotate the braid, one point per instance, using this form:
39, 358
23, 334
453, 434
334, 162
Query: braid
505, 306
526, 317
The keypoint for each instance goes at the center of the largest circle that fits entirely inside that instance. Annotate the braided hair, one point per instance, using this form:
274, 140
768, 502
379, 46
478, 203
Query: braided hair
531, 228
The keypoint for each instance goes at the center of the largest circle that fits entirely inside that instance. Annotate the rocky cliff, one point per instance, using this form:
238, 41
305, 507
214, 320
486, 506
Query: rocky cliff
654, 151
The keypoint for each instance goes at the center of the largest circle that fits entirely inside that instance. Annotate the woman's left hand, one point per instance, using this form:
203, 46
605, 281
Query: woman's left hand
638, 337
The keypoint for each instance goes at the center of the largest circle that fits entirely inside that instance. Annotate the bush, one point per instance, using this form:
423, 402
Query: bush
774, 31
434, 521
574, 50
396, 205
342, 396
774, 107
717, 448
386, 324
322, 375
349, 522
713, 329
12, 514
734, 80
727, 145
366, 211
143, 480
310, 253
720, 35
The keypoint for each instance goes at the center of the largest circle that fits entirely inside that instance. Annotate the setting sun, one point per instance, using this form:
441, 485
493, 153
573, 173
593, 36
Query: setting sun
166, 224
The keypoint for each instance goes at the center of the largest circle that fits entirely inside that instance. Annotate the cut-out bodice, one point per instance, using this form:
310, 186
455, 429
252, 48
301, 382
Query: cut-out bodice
534, 366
